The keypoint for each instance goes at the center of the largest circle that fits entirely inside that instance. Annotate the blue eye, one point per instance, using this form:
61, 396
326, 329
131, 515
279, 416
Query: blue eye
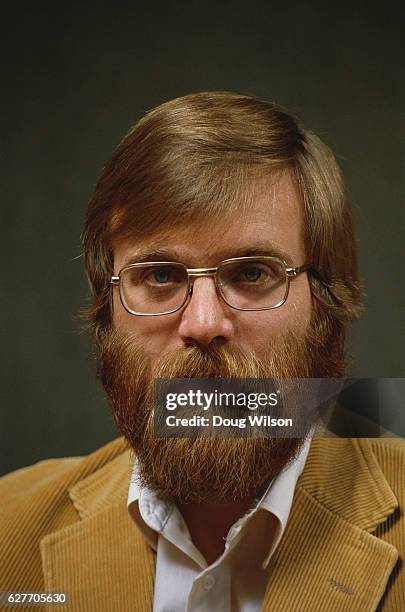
162, 275
252, 274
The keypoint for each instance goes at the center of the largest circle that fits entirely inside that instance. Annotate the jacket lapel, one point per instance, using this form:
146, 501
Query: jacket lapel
328, 558
102, 558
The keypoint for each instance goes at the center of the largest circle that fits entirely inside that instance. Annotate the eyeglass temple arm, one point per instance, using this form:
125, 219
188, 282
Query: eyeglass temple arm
298, 270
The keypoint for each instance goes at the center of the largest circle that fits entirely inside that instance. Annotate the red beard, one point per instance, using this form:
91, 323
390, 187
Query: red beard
207, 469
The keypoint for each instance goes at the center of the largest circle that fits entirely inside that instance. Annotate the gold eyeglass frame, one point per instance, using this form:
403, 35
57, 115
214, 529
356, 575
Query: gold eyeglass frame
192, 273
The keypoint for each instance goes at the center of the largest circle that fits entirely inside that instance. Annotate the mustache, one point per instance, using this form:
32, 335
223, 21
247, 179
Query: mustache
217, 361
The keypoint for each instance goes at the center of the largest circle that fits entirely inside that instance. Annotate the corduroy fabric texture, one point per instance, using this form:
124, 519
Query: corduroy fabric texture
65, 527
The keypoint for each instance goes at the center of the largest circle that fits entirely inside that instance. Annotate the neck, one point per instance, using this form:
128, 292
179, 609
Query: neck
210, 522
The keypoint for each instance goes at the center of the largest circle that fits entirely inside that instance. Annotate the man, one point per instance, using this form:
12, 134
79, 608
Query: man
219, 244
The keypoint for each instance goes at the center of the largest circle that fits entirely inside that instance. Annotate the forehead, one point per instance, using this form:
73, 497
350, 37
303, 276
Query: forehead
269, 221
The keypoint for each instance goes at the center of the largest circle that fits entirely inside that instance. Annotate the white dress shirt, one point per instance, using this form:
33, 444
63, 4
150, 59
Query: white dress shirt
237, 580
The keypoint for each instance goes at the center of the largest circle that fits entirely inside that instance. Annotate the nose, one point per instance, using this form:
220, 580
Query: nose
205, 319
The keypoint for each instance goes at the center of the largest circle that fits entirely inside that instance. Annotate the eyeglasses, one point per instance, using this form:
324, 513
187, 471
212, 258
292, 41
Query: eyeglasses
244, 283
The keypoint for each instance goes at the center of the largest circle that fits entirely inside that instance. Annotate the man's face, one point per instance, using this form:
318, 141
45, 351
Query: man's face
209, 339
273, 224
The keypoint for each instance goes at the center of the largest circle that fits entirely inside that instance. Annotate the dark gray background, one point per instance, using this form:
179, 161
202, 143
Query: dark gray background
76, 76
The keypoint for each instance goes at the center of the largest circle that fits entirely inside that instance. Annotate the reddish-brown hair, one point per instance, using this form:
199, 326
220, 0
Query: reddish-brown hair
191, 158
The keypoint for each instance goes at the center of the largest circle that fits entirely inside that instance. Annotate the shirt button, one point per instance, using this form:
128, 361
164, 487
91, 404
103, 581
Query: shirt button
208, 582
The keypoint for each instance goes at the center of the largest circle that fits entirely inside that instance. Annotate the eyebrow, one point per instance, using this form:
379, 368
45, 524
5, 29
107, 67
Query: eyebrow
169, 254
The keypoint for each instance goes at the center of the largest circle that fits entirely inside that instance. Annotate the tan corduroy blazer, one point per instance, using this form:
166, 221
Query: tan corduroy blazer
65, 527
